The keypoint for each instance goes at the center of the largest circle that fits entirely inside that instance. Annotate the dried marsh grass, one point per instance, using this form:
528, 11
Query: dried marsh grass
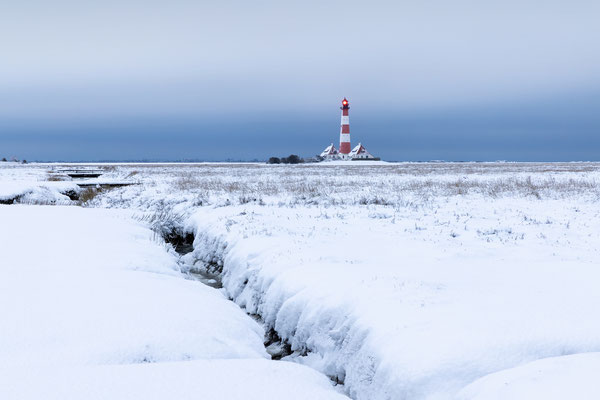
400, 185
56, 177
88, 195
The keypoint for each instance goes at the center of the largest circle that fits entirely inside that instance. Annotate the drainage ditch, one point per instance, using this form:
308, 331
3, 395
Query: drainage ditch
183, 243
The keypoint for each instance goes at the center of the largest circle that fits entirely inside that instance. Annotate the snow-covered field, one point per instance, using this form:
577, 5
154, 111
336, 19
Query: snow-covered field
93, 307
401, 281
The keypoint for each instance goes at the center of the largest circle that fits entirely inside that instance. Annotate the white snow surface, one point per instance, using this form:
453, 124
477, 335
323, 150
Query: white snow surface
36, 192
397, 312
404, 281
90, 297
556, 378
231, 379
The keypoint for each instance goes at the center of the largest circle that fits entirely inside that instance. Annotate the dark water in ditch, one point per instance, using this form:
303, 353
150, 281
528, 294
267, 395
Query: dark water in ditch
183, 245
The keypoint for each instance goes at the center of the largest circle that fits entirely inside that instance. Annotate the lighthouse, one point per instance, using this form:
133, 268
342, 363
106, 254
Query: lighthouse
345, 153
345, 130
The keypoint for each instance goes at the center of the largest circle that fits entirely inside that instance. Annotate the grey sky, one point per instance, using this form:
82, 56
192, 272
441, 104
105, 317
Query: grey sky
217, 64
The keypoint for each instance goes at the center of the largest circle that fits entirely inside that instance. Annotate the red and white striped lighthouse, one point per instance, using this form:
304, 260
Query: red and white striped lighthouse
345, 129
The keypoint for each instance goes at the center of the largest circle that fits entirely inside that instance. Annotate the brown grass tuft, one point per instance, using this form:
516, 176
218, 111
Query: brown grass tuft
88, 194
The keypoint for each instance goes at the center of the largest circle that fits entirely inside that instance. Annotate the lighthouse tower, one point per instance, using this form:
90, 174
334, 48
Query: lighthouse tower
345, 130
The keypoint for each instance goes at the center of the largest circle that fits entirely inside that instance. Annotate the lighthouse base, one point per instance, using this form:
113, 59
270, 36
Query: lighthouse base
358, 153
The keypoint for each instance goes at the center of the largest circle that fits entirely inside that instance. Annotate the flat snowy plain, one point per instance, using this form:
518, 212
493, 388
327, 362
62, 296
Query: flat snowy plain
401, 281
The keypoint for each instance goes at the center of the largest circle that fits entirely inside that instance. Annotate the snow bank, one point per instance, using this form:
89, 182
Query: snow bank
403, 303
90, 286
35, 192
555, 378
89, 297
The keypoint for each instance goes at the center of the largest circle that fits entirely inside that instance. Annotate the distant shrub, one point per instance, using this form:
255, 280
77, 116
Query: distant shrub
292, 159
374, 200
274, 160
4, 159
250, 199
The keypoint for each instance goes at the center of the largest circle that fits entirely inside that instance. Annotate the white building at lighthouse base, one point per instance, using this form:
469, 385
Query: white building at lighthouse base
330, 153
358, 153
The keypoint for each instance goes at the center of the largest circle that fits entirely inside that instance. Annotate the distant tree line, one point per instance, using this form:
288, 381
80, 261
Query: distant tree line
13, 160
291, 159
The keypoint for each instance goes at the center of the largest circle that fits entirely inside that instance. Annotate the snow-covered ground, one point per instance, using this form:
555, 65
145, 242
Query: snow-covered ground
89, 298
403, 281
555, 378
413, 304
214, 379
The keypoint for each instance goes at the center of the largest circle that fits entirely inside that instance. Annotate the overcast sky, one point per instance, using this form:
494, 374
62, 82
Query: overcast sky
460, 80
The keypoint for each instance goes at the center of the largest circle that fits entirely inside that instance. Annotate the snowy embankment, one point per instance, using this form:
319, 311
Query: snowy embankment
35, 192
92, 306
414, 304
407, 281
